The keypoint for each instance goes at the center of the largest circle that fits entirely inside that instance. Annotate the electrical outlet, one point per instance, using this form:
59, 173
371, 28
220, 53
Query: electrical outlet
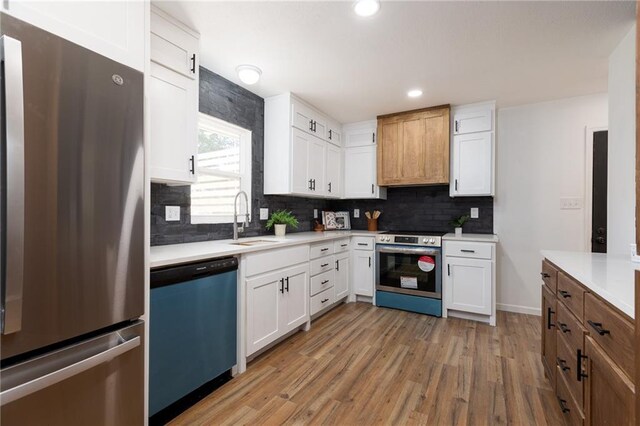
172, 213
475, 213
356, 213
570, 203
264, 213
315, 213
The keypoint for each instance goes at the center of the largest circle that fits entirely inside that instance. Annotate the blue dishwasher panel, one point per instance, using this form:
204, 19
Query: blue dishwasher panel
192, 336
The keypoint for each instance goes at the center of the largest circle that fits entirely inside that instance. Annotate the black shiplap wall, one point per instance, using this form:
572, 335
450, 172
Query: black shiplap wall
417, 208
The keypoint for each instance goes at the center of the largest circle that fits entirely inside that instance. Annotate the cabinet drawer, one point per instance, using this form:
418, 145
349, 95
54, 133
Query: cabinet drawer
323, 249
322, 300
322, 282
472, 121
567, 362
362, 243
340, 246
322, 264
571, 294
270, 260
570, 328
572, 414
471, 250
549, 275
613, 332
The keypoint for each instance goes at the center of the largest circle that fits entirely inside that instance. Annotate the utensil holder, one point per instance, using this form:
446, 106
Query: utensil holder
372, 224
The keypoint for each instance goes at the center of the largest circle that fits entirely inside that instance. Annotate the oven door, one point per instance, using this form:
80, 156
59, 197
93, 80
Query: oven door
409, 270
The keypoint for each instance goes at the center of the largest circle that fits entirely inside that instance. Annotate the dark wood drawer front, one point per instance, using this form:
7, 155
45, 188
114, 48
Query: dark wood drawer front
611, 331
570, 328
549, 275
571, 294
572, 414
567, 362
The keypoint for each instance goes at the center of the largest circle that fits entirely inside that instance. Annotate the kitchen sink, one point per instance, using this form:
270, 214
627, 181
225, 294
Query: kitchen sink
254, 242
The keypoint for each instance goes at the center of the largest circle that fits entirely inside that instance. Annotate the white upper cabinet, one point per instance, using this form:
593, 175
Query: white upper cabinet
473, 151
360, 162
334, 133
173, 101
115, 29
298, 160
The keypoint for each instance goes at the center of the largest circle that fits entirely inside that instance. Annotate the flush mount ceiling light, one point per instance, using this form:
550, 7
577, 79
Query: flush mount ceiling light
414, 93
248, 74
366, 7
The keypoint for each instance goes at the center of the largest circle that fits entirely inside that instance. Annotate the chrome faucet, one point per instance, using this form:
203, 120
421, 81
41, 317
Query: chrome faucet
237, 229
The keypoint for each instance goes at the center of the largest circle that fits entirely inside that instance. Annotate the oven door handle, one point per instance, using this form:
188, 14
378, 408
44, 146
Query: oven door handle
408, 250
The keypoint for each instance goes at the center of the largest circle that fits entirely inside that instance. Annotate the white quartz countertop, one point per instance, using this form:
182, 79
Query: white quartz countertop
191, 252
480, 238
609, 276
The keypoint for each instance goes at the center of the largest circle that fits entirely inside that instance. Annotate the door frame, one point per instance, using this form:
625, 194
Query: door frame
588, 188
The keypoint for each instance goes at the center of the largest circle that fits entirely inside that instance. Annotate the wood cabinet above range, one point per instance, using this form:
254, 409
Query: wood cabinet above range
413, 147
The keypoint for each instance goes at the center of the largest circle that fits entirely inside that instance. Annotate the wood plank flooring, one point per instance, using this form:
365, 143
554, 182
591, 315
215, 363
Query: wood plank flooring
360, 364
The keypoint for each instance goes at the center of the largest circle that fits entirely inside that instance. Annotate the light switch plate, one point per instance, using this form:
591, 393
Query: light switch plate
356, 213
570, 203
315, 213
475, 213
264, 213
172, 213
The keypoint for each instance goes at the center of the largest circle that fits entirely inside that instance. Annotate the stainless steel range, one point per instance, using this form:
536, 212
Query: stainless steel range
408, 271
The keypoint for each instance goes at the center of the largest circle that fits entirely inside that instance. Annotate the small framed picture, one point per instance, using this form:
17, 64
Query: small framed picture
342, 218
336, 220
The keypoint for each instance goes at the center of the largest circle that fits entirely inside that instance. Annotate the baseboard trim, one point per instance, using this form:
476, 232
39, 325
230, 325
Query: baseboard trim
518, 309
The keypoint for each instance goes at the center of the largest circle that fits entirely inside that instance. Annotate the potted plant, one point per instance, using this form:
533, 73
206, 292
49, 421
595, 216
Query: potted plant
280, 219
457, 223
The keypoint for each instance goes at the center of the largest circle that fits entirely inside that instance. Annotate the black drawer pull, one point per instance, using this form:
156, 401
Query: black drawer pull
324, 249
343, 245
597, 326
325, 300
324, 282
564, 293
579, 373
467, 251
324, 265
363, 244
564, 328
549, 323
563, 364
545, 275
563, 407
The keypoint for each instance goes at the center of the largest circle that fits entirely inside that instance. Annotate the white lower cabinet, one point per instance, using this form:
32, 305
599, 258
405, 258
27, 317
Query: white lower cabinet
341, 283
363, 268
277, 303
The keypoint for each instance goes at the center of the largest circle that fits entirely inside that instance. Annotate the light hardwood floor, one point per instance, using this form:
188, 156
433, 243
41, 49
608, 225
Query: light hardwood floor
360, 364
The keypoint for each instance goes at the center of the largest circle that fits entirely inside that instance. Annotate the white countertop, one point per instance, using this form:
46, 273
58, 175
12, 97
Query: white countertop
480, 238
191, 252
609, 276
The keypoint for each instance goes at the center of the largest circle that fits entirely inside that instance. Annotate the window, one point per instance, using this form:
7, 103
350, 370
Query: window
224, 168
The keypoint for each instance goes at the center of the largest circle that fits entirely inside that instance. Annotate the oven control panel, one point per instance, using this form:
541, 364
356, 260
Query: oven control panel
411, 240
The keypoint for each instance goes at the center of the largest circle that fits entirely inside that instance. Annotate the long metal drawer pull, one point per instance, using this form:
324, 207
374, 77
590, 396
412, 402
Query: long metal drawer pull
564, 293
50, 379
597, 326
579, 373
324, 265
324, 282
11, 53
549, 323
564, 328
545, 275
325, 300
467, 251
363, 244
563, 364
324, 249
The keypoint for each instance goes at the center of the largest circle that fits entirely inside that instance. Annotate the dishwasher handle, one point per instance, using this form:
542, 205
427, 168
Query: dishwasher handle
192, 271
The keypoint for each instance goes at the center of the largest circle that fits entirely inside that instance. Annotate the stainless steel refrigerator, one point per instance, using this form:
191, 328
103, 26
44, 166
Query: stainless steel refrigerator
72, 263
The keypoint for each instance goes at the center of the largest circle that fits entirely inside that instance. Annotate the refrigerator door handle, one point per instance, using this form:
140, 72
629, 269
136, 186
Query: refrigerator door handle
11, 314
54, 377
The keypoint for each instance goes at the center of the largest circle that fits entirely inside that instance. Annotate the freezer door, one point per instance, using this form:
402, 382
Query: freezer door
82, 235
96, 382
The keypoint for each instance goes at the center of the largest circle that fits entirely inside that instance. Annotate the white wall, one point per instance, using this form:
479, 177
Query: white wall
621, 199
540, 157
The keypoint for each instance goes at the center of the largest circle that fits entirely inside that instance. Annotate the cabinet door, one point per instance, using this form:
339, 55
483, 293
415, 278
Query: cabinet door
609, 393
342, 276
316, 165
363, 272
359, 172
265, 298
472, 164
360, 134
173, 103
301, 116
334, 171
548, 344
300, 179
472, 121
468, 285
115, 29
296, 311
173, 46
334, 133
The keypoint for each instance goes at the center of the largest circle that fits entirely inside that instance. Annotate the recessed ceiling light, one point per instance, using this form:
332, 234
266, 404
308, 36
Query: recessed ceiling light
366, 7
248, 74
414, 93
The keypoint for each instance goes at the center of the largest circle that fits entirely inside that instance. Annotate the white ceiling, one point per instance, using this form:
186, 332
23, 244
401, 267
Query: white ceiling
457, 52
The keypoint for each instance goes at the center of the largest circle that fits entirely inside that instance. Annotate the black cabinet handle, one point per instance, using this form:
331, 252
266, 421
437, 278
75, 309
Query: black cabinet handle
287, 281
329, 186
310, 186
456, 184
314, 184
369, 261
330, 131
311, 125
344, 245
448, 269
597, 326
193, 63
324, 282
372, 191
373, 138
545, 275
563, 364
563, 327
282, 285
363, 244
324, 249
337, 265
467, 251
564, 293
324, 300
192, 168
579, 373
563, 407
324, 264
549, 323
